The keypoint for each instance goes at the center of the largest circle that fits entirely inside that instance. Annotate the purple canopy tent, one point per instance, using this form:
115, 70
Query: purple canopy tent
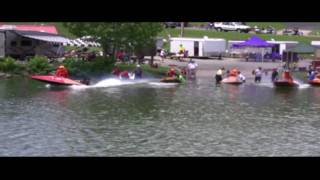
254, 42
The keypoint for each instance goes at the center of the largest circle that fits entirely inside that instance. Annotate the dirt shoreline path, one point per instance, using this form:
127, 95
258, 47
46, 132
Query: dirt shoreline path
208, 67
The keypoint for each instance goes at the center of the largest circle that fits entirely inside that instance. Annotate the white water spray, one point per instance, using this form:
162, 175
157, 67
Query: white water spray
111, 82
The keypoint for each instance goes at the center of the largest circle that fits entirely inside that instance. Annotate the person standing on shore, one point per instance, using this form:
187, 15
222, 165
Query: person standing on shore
192, 69
258, 75
241, 77
138, 72
274, 75
162, 55
219, 75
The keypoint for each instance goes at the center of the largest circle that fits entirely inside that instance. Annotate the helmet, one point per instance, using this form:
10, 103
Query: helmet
138, 65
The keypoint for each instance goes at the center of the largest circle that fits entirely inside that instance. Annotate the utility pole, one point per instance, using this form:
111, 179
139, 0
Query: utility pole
182, 29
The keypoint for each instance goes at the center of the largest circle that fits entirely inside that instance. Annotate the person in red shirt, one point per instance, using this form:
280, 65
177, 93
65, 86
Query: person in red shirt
62, 72
124, 74
287, 76
171, 72
234, 72
120, 55
116, 71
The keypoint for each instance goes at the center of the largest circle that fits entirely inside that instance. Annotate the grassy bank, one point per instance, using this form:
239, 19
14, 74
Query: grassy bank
315, 32
77, 68
233, 35
200, 33
276, 25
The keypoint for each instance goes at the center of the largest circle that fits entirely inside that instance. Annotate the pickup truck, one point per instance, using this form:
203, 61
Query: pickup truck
231, 26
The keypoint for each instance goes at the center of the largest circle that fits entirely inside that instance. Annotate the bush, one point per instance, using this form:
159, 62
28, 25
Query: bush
39, 65
98, 66
9, 65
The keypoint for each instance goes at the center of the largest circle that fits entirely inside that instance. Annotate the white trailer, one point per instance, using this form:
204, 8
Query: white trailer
281, 46
315, 43
199, 47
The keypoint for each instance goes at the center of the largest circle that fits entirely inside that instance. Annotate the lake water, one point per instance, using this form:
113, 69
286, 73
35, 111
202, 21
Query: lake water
115, 118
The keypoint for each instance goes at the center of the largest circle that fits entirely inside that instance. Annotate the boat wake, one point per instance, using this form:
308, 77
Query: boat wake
110, 82
302, 85
162, 84
114, 82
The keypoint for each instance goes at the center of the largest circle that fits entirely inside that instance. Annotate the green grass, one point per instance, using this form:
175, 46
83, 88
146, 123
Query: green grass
233, 35
200, 33
315, 32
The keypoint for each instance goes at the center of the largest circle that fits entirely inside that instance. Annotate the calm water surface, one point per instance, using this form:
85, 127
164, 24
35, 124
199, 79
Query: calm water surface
114, 118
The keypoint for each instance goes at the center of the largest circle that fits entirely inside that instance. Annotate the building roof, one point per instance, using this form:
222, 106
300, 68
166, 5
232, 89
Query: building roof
38, 28
254, 41
272, 42
42, 36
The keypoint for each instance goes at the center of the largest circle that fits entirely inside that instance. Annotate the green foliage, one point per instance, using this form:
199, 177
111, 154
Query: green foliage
9, 65
39, 65
130, 36
90, 49
97, 66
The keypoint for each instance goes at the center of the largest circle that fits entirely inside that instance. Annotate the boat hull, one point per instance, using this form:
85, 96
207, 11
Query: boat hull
315, 82
56, 80
170, 80
231, 80
284, 83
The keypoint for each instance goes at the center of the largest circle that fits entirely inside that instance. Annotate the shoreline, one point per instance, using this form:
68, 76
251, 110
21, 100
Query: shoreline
206, 67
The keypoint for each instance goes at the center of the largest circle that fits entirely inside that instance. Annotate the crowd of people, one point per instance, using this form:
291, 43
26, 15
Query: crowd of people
229, 73
190, 71
125, 74
258, 73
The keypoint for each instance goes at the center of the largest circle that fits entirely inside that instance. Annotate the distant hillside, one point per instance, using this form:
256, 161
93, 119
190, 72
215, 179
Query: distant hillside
200, 33
233, 35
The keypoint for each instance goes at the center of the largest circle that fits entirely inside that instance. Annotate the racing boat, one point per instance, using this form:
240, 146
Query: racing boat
170, 80
285, 83
315, 82
232, 80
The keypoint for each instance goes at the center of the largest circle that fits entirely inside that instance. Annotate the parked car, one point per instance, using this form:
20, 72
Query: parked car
232, 26
294, 31
268, 30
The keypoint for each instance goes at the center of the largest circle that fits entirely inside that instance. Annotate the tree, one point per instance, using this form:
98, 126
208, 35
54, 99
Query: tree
131, 36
